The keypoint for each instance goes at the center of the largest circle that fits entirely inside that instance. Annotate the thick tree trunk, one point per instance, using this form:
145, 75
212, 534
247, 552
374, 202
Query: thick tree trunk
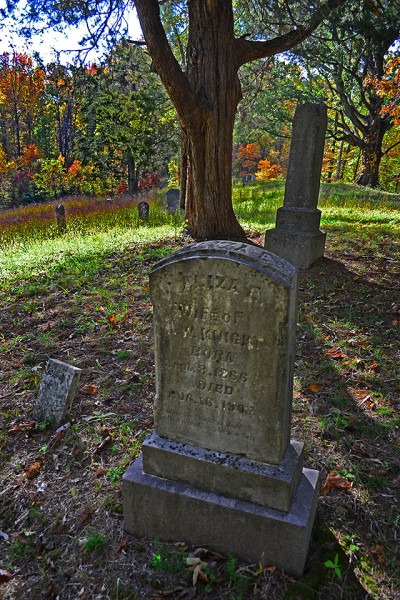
371, 147
371, 161
371, 154
213, 76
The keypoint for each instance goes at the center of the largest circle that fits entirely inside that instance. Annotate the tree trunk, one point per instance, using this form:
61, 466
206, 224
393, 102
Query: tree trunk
213, 76
338, 172
132, 178
17, 129
371, 147
371, 155
183, 169
206, 99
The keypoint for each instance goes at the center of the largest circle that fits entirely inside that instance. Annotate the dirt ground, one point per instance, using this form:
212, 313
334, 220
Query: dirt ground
61, 526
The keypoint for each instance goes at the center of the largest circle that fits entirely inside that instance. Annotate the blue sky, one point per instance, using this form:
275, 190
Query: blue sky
54, 41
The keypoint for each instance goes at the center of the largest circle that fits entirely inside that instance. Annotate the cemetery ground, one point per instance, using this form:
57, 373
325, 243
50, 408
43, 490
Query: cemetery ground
84, 300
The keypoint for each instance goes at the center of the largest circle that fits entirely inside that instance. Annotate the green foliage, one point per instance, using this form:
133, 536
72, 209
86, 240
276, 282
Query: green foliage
95, 542
115, 473
168, 559
238, 582
334, 566
173, 173
50, 180
127, 119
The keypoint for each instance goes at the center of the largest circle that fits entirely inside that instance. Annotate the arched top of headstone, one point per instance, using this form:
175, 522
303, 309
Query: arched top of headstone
252, 256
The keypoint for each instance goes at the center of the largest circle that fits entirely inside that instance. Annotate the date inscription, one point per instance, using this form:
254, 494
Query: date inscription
212, 402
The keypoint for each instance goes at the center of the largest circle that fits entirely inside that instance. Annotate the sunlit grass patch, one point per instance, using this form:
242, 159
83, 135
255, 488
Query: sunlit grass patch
79, 252
83, 215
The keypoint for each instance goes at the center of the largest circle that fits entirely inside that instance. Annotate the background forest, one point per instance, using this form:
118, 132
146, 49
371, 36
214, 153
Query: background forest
108, 127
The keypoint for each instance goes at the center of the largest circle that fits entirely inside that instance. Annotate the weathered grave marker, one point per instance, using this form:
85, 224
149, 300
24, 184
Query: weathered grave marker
143, 211
57, 391
61, 219
173, 196
220, 469
248, 178
296, 236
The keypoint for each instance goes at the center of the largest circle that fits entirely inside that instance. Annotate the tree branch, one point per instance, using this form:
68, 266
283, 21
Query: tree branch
247, 51
391, 147
165, 63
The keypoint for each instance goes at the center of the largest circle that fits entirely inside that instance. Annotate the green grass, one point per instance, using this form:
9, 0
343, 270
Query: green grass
31, 244
342, 205
78, 253
83, 216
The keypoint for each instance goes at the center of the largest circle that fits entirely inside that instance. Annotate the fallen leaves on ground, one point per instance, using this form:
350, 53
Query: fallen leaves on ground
4, 576
314, 387
335, 353
197, 565
22, 427
33, 470
89, 389
335, 481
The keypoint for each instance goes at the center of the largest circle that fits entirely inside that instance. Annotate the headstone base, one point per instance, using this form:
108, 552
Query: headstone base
238, 477
300, 249
159, 507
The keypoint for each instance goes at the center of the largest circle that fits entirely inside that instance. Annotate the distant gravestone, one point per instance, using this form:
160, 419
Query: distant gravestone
143, 211
248, 178
173, 200
220, 468
61, 219
296, 236
56, 393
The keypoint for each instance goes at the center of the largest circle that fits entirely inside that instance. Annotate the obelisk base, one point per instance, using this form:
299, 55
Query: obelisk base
300, 249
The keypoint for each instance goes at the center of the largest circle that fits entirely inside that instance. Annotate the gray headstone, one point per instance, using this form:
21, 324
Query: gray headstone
224, 322
173, 200
56, 393
248, 178
296, 236
61, 219
143, 211
225, 319
305, 156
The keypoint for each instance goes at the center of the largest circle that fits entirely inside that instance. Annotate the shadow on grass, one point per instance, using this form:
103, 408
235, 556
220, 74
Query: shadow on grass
347, 344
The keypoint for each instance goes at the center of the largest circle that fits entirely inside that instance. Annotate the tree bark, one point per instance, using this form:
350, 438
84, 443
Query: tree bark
132, 178
371, 153
338, 172
213, 76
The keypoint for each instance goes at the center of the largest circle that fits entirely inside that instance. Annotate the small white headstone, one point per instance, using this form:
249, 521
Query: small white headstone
56, 393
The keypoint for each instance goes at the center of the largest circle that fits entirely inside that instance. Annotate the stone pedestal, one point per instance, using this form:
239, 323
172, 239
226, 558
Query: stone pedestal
296, 236
220, 470
160, 507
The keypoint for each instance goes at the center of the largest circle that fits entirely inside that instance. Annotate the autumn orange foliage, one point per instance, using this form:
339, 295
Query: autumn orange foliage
248, 156
267, 170
388, 88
